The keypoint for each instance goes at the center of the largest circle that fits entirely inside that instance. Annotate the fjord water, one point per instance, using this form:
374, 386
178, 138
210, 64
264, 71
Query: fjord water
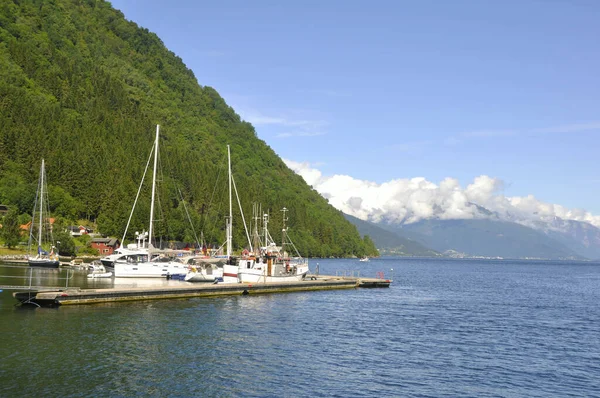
476, 328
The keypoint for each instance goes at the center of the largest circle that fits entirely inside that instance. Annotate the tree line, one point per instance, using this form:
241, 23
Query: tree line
84, 88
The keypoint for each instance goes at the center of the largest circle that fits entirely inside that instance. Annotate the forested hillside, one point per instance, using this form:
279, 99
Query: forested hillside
84, 88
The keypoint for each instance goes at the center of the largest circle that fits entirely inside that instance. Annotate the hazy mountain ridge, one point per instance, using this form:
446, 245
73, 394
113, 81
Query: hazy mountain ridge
492, 234
487, 238
579, 236
389, 242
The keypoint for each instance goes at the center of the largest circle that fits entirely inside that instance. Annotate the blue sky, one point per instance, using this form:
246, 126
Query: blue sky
387, 90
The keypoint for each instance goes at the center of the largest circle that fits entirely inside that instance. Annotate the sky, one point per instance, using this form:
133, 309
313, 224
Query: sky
399, 109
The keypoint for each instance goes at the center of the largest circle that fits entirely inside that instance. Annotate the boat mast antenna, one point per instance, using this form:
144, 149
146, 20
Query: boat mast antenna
265, 223
283, 230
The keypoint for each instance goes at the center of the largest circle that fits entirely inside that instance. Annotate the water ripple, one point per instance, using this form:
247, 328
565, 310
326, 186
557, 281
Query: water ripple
449, 328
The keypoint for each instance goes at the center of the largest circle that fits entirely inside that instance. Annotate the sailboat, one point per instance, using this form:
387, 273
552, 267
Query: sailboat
44, 229
230, 268
144, 262
216, 269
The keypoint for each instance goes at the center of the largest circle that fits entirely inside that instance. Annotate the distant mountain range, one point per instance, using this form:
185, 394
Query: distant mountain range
389, 242
490, 235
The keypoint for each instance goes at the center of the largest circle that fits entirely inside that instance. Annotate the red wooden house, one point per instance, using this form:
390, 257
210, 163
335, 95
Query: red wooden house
105, 246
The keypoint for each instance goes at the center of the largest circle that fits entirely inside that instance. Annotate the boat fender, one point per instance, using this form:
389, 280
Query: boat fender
245, 293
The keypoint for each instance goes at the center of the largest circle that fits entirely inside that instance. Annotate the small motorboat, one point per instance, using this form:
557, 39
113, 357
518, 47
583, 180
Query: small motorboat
365, 258
97, 270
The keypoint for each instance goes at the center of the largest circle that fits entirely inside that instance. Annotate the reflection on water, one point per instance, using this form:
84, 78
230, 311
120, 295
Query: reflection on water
25, 276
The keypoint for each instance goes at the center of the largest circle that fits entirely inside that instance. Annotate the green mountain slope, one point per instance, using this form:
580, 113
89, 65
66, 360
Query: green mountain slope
84, 88
389, 242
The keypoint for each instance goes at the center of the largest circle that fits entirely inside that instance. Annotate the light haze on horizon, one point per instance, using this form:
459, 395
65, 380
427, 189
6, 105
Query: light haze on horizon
503, 94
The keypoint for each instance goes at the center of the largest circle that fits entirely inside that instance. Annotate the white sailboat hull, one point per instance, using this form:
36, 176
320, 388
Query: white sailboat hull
149, 269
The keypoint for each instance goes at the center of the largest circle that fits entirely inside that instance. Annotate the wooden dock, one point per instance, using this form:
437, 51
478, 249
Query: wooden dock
75, 295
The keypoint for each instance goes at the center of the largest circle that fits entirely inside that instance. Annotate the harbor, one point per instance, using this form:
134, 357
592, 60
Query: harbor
78, 296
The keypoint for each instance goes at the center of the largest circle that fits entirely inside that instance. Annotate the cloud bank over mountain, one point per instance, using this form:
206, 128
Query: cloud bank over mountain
415, 199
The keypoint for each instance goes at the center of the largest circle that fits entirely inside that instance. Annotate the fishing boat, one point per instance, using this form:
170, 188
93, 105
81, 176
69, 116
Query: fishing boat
47, 253
364, 259
272, 263
232, 265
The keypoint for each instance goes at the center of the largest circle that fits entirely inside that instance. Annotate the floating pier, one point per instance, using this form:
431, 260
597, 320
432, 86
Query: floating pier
75, 295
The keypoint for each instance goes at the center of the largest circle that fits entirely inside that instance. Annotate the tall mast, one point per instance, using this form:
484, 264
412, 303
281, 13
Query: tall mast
255, 234
284, 210
153, 188
41, 203
230, 222
265, 225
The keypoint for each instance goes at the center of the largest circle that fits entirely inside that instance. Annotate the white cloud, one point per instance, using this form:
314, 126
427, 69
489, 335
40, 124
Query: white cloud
414, 199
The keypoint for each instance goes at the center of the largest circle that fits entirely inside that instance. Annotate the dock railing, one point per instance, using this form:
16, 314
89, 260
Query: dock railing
356, 274
348, 273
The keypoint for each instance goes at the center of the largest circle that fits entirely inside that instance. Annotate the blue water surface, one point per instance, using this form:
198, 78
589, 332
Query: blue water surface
445, 328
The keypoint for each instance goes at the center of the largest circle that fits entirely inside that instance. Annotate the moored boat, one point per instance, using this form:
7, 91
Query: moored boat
144, 262
204, 269
97, 270
140, 266
44, 258
121, 253
273, 263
